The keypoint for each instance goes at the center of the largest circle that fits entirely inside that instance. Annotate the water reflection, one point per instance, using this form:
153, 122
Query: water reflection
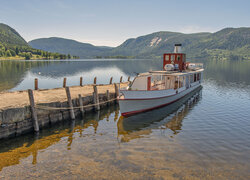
169, 117
13, 150
227, 72
19, 75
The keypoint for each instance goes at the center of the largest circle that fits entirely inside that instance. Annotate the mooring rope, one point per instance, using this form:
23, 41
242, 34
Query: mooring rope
68, 108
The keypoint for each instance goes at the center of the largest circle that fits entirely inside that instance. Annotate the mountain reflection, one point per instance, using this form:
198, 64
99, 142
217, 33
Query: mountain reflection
168, 117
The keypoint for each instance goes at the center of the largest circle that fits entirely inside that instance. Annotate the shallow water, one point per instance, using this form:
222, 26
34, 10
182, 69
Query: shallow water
204, 136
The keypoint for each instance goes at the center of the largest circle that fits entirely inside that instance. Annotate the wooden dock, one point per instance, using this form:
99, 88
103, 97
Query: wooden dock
26, 111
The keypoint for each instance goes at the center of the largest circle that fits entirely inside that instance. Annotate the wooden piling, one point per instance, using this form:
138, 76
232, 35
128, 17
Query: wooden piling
120, 79
64, 82
81, 104
72, 114
33, 111
96, 99
95, 80
108, 97
129, 78
116, 92
80, 81
36, 84
111, 79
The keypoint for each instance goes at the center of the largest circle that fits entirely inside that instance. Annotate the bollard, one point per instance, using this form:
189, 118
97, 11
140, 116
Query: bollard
36, 84
64, 82
72, 113
108, 97
110, 82
80, 81
96, 99
33, 110
81, 104
116, 92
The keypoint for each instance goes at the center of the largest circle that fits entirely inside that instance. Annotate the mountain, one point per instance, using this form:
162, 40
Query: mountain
155, 44
231, 43
9, 36
68, 46
13, 46
226, 43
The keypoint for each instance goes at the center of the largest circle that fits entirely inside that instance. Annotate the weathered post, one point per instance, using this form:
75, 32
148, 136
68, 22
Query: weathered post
95, 80
81, 104
108, 97
64, 82
33, 111
72, 114
96, 98
36, 84
110, 82
80, 81
116, 92
129, 78
120, 79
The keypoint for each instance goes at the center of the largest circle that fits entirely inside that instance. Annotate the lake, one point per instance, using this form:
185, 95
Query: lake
203, 136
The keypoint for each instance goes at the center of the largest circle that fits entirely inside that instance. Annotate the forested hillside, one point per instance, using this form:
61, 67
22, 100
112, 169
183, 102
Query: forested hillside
68, 46
231, 43
13, 46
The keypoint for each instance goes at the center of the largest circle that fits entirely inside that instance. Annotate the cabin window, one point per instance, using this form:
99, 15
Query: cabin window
172, 58
198, 76
178, 58
191, 78
176, 83
166, 57
183, 81
180, 82
195, 78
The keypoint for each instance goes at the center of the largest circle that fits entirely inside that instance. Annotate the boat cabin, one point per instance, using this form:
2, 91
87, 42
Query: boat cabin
162, 80
177, 59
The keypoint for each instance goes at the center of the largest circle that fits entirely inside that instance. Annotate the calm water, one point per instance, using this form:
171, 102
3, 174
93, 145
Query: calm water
204, 136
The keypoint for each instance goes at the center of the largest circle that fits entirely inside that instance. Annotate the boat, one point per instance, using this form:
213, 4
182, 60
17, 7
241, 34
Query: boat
167, 117
155, 89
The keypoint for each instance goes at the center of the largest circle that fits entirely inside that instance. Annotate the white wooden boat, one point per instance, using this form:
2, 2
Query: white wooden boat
155, 89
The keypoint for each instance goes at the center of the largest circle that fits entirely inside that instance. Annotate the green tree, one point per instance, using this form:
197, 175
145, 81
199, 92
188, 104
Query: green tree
13, 53
7, 53
28, 55
1, 53
17, 51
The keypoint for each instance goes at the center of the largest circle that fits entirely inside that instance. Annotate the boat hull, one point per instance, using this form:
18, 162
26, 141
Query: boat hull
130, 107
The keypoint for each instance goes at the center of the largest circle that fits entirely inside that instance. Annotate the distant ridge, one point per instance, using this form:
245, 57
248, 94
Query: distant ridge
231, 43
68, 46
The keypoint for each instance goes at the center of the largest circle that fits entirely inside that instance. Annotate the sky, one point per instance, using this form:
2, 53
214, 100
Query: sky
111, 22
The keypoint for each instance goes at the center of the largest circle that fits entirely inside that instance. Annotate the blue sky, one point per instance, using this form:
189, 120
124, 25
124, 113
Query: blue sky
110, 22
